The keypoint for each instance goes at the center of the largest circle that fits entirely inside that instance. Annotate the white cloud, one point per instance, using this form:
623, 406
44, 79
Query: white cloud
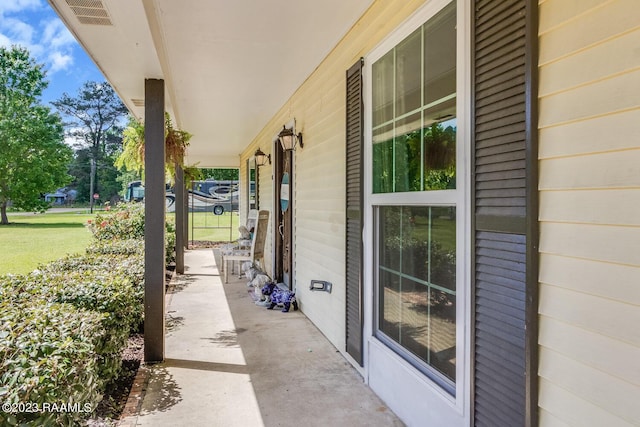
59, 61
5, 41
13, 6
56, 34
59, 42
19, 31
50, 43
33, 25
14, 30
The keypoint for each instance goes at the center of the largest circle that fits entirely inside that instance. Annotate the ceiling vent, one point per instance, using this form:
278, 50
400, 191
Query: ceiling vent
138, 102
90, 12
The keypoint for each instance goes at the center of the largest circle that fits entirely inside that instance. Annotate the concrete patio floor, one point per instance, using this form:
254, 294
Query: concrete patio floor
232, 363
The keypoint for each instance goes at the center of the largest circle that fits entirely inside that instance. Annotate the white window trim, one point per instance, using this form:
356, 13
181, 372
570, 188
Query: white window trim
462, 199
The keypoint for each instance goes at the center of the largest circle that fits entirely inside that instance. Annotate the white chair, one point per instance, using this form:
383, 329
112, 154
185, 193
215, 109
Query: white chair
256, 253
252, 218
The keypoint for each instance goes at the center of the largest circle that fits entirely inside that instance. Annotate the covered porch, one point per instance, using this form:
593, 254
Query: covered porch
230, 362
221, 71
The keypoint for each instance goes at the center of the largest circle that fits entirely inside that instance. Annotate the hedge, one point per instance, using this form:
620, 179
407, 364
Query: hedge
63, 326
47, 356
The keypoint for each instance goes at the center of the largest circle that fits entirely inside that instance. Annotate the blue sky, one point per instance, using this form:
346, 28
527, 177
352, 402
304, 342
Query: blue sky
33, 24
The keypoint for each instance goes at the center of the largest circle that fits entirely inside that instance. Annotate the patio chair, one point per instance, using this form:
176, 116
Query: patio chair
256, 253
245, 242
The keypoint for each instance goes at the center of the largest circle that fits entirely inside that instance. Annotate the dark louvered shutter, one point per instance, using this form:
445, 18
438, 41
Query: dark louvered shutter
505, 276
354, 143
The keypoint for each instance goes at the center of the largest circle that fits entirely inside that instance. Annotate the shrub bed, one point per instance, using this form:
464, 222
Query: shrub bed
63, 326
48, 358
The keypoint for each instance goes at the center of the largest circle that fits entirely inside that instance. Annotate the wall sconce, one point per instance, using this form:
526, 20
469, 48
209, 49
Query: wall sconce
288, 139
261, 158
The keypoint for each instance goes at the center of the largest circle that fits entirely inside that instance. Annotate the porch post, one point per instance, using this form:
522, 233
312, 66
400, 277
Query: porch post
154, 228
185, 207
179, 204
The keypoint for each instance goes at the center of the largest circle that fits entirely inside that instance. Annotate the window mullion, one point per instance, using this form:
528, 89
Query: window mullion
422, 88
393, 137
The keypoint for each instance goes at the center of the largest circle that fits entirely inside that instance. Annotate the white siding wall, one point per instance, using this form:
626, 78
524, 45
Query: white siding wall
319, 182
589, 131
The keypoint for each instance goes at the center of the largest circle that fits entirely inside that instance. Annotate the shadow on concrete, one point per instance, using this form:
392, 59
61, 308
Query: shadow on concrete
206, 366
179, 283
167, 391
173, 323
227, 338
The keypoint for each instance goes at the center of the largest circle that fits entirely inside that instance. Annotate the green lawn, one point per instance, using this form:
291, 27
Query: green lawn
443, 228
32, 239
215, 228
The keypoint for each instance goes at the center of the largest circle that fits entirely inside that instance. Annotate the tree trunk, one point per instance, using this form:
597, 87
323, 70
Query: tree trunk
92, 180
3, 213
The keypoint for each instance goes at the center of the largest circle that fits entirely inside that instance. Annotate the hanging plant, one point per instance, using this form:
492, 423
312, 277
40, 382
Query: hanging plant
176, 142
192, 173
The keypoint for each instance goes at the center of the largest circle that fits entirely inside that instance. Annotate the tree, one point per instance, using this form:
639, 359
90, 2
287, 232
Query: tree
33, 156
94, 122
221, 174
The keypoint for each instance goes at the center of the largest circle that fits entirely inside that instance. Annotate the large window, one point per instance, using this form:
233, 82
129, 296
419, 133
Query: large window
415, 199
414, 110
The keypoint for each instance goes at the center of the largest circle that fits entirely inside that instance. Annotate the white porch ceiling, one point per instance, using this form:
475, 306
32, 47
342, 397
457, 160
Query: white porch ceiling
228, 65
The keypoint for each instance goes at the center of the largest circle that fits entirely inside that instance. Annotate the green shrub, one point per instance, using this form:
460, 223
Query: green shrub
65, 324
170, 242
125, 224
125, 221
129, 263
47, 356
128, 247
114, 296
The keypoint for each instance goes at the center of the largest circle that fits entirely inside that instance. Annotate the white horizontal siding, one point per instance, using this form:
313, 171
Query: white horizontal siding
603, 97
602, 279
608, 133
563, 408
547, 419
607, 317
613, 207
599, 351
589, 127
618, 169
585, 27
612, 244
613, 395
555, 13
601, 62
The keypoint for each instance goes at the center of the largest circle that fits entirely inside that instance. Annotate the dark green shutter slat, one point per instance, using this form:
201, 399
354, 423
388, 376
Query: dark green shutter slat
354, 191
502, 174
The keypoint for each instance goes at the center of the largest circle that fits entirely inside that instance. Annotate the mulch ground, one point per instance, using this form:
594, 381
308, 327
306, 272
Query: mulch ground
116, 393
205, 244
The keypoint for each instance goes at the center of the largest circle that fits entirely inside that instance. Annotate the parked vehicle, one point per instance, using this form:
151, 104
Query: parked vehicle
226, 192
218, 198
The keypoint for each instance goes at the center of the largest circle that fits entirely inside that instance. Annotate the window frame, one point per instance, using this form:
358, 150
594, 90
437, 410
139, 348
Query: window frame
460, 197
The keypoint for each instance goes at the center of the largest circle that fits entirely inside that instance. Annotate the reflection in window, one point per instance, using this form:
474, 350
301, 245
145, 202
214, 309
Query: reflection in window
417, 283
414, 110
252, 184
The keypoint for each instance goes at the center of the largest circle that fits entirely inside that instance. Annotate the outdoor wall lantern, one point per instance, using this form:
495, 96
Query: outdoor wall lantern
261, 158
289, 139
